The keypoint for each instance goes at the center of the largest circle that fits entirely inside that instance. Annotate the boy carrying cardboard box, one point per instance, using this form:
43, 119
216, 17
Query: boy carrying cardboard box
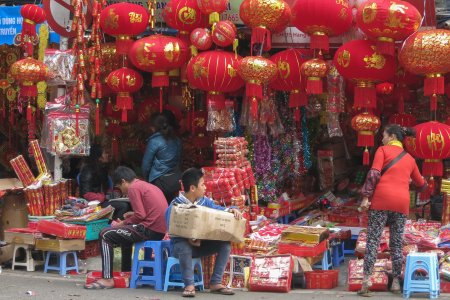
187, 248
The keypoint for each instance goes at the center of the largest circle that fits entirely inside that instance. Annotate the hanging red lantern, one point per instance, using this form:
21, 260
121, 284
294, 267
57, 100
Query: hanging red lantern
265, 17
212, 8
115, 131
357, 60
322, 19
256, 71
201, 38
385, 88
28, 72
215, 72
426, 53
314, 70
402, 119
124, 20
432, 144
124, 81
224, 33
184, 15
32, 15
366, 124
404, 81
388, 22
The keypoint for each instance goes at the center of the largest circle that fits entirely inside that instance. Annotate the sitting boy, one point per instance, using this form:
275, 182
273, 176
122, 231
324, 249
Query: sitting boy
185, 249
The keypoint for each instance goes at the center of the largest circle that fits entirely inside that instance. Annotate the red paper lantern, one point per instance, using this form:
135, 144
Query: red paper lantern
184, 15
212, 8
366, 124
224, 33
28, 72
426, 53
265, 17
432, 143
402, 119
322, 19
124, 81
124, 20
358, 60
32, 15
385, 88
314, 70
215, 72
387, 22
201, 38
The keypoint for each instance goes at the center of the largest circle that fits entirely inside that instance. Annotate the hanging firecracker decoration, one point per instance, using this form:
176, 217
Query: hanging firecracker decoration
123, 21
289, 77
402, 119
224, 34
124, 81
32, 15
358, 61
257, 71
388, 22
159, 54
322, 19
366, 124
185, 16
314, 70
385, 88
213, 8
426, 53
264, 17
201, 38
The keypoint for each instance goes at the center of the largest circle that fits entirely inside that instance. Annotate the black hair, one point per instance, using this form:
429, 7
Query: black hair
399, 131
123, 173
95, 153
162, 125
190, 177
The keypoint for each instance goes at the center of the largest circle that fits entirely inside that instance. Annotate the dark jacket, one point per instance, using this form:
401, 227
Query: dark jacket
161, 157
93, 178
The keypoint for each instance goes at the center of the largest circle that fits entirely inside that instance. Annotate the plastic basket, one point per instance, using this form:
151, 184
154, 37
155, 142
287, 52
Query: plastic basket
93, 228
326, 279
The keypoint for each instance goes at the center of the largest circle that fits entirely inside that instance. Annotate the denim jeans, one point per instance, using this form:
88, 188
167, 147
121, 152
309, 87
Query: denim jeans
185, 252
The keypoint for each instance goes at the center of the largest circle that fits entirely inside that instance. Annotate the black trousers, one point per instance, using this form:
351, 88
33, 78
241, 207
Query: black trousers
120, 208
169, 184
123, 236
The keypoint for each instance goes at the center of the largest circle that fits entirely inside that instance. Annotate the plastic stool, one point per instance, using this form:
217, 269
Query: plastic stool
427, 284
337, 254
29, 262
153, 268
174, 278
61, 264
349, 245
326, 263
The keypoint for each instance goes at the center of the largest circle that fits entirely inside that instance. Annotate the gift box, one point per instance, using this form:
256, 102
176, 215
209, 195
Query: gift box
121, 279
379, 278
62, 230
59, 245
305, 234
271, 274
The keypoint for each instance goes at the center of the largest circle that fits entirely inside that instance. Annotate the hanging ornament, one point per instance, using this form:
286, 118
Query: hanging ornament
366, 124
212, 8
201, 38
402, 119
32, 15
28, 72
314, 70
224, 33
384, 88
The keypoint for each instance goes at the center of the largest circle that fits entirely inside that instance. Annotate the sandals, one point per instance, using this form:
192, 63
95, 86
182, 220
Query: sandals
364, 291
223, 291
97, 286
189, 293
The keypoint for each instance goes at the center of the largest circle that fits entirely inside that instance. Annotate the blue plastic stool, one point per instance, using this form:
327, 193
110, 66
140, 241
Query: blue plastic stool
153, 266
61, 262
415, 283
349, 245
173, 274
337, 254
326, 263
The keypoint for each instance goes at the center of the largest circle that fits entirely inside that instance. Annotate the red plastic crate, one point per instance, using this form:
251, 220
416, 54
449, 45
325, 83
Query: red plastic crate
121, 279
302, 251
445, 286
323, 279
92, 249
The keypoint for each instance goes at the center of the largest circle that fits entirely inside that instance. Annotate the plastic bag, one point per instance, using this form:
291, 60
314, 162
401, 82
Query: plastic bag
221, 116
60, 64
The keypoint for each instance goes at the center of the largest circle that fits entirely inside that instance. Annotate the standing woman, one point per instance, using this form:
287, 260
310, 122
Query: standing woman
162, 158
387, 187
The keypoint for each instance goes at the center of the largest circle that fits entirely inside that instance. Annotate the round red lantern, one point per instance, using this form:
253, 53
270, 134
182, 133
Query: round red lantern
124, 81
124, 20
215, 72
385, 88
314, 70
28, 72
387, 22
224, 33
212, 8
432, 143
265, 17
357, 60
184, 15
366, 124
402, 119
426, 53
201, 38
322, 19
32, 15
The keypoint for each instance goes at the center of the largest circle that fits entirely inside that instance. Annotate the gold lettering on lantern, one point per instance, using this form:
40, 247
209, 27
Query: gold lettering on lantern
231, 71
142, 59
285, 69
131, 80
343, 14
199, 122
112, 20
344, 58
187, 15
375, 61
199, 69
435, 141
342, 2
135, 18
369, 12
114, 81
393, 21
172, 52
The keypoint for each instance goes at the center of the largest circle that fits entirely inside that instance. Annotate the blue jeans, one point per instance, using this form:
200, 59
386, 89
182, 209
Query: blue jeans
185, 252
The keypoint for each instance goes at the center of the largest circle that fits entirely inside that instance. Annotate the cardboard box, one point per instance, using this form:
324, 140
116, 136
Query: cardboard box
22, 236
199, 222
305, 234
59, 245
14, 212
6, 253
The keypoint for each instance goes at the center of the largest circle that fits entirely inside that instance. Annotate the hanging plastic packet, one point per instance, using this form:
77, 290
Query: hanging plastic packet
60, 64
221, 116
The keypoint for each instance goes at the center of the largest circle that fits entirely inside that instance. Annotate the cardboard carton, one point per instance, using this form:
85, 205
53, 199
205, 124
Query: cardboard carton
58, 245
305, 234
199, 222
22, 236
